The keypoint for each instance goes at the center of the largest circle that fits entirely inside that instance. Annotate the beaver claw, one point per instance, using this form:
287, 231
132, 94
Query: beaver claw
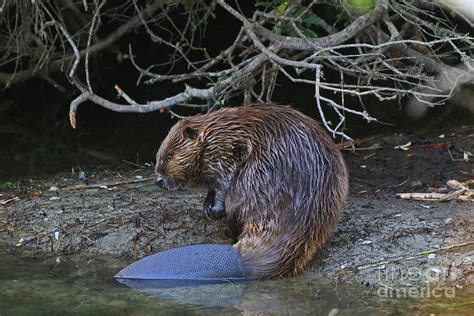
213, 208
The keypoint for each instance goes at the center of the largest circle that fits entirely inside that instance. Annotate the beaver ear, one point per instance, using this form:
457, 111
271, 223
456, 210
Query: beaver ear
190, 133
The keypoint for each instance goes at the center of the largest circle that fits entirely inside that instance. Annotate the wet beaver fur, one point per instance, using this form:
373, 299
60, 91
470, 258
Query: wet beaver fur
271, 170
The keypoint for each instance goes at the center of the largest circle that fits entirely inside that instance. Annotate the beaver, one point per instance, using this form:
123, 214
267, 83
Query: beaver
273, 173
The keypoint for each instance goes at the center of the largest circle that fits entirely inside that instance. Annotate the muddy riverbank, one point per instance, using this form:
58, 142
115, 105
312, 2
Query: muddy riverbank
381, 241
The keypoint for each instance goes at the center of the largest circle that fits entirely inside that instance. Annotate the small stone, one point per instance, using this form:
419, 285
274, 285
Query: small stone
431, 256
448, 220
436, 270
54, 198
53, 189
416, 183
333, 312
20, 242
466, 156
82, 175
426, 206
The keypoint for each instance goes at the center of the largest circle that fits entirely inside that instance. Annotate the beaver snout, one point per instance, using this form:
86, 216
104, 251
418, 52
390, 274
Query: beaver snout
159, 181
168, 184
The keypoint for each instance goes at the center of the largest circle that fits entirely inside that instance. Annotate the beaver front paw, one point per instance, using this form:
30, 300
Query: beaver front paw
213, 208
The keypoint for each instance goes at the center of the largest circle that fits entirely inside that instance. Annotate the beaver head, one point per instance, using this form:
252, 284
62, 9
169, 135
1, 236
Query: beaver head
177, 157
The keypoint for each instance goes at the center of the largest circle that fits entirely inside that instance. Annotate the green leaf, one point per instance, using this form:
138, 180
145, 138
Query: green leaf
189, 4
265, 4
360, 6
313, 20
310, 33
6, 185
281, 8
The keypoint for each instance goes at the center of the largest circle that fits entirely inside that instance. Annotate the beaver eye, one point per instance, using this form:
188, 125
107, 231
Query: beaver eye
169, 157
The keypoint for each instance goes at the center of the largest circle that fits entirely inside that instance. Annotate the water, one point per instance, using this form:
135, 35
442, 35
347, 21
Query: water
65, 286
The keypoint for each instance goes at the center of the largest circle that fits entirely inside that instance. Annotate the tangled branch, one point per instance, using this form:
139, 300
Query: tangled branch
398, 49
36, 55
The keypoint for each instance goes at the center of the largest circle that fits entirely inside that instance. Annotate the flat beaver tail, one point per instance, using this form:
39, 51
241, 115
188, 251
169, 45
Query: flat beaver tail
204, 262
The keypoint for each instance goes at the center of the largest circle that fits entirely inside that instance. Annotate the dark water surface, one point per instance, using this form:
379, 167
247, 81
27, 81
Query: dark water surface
65, 286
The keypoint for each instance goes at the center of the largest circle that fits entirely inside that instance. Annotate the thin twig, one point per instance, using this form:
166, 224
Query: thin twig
406, 258
106, 185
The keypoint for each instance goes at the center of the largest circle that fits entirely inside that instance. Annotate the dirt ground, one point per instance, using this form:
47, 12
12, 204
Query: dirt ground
380, 241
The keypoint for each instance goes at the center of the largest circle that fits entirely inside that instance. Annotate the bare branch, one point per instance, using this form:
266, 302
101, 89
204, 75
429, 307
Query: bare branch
185, 96
53, 66
400, 48
289, 42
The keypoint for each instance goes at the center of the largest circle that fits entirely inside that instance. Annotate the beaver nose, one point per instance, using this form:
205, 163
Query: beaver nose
159, 181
